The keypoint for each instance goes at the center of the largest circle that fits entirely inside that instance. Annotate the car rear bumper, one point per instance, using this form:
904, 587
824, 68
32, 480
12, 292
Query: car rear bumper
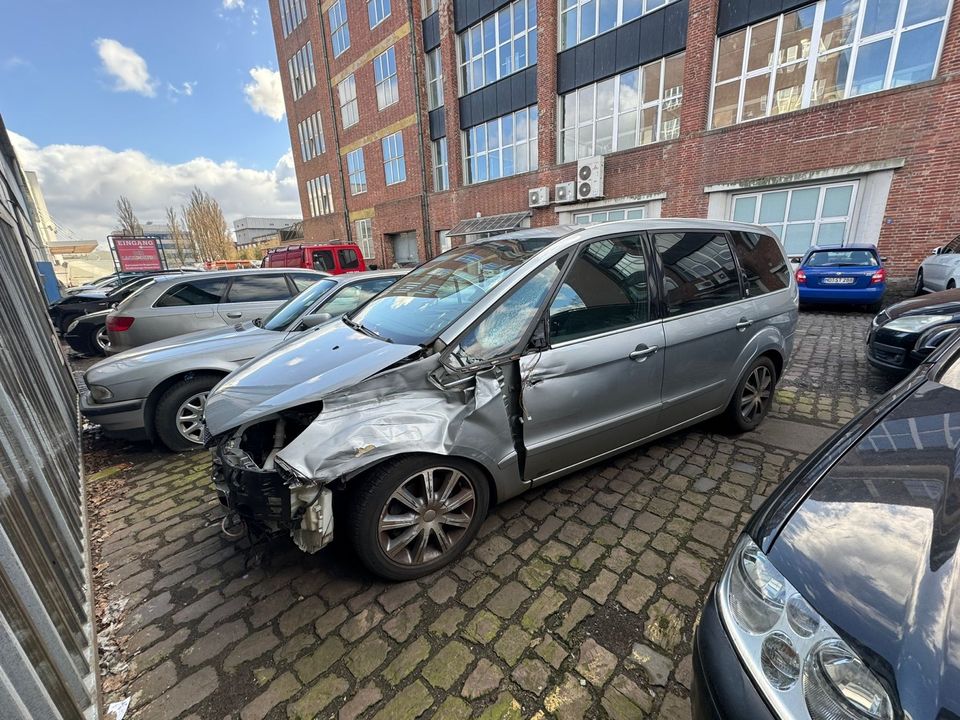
721, 687
871, 294
118, 419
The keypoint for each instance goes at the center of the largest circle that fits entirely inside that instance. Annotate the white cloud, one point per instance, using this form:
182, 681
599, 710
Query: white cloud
127, 68
184, 89
15, 61
233, 4
81, 184
264, 93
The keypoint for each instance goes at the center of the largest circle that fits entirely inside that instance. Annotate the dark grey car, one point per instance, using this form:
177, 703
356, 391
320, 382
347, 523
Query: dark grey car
496, 367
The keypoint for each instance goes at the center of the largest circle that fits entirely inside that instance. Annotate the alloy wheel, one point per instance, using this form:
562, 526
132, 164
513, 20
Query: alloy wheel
102, 339
426, 516
756, 393
189, 415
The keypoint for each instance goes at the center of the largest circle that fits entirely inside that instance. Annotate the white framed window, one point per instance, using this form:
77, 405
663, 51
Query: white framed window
441, 175
498, 45
339, 29
443, 240
292, 13
800, 216
310, 132
365, 237
385, 77
357, 171
378, 11
583, 19
638, 107
349, 110
320, 195
827, 51
611, 215
434, 80
394, 165
501, 147
429, 7
303, 74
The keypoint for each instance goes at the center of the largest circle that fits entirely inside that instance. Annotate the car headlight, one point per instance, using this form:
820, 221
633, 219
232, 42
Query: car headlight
800, 663
935, 336
99, 393
916, 323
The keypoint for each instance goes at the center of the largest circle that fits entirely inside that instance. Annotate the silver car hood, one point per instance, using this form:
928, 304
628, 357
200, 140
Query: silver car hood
304, 370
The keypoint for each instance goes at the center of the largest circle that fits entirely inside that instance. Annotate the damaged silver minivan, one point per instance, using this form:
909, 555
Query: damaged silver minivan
495, 367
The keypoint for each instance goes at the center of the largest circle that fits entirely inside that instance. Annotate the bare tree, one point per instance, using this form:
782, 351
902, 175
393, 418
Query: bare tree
180, 238
128, 218
208, 228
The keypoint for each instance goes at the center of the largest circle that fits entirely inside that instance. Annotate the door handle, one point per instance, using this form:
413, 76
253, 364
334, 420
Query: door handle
643, 352
744, 324
234, 315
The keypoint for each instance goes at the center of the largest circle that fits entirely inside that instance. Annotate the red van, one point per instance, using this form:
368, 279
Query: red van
334, 259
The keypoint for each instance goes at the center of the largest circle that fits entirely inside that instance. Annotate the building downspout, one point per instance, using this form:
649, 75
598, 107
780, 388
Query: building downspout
424, 196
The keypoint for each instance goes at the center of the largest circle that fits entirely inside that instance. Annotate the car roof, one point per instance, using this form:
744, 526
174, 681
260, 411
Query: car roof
237, 273
855, 246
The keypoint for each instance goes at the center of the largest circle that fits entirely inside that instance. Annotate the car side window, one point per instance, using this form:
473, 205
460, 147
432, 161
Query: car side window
501, 331
952, 247
353, 296
323, 260
208, 291
258, 288
761, 263
348, 259
302, 280
698, 270
606, 289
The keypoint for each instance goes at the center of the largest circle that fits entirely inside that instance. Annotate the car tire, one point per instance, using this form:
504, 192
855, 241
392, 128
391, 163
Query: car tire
67, 320
951, 284
418, 547
181, 406
91, 341
918, 286
754, 395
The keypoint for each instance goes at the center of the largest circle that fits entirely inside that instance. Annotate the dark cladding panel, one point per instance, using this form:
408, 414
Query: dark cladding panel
500, 98
732, 14
651, 37
736, 14
431, 32
469, 12
675, 27
585, 66
628, 47
605, 55
438, 123
566, 71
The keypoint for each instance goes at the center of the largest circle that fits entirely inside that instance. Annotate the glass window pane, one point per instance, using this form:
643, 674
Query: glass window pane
699, 271
745, 209
879, 16
605, 96
798, 238
604, 136
651, 82
627, 130
795, 35
839, 24
568, 110
755, 92
773, 207
831, 234
777, 230
920, 10
762, 37
648, 125
588, 20
635, 214
632, 9
836, 201
585, 141
725, 99
614, 215
830, 77
803, 204
585, 103
506, 130
871, 67
730, 56
568, 28
916, 55
569, 140
762, 264
608, 15
788, 88
629, 90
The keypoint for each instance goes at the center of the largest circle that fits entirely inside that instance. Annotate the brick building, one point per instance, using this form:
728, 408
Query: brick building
417, 124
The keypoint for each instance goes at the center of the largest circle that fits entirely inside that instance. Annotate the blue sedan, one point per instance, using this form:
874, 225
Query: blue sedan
847, 275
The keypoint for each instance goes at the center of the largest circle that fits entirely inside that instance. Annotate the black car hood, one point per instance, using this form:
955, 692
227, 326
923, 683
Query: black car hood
946, 302
873, 547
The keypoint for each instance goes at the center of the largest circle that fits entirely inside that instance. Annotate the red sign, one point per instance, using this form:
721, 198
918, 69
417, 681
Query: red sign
136, 254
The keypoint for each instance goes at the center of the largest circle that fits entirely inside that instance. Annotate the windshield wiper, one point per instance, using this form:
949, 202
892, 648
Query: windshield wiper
365, 330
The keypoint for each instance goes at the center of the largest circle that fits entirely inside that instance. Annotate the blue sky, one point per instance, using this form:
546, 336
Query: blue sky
130, 89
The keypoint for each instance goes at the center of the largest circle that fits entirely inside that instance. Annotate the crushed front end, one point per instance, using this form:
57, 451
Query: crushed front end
269, 497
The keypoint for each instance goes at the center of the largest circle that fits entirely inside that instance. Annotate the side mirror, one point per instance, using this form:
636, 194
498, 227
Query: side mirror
937, 250
883, 259
311, 321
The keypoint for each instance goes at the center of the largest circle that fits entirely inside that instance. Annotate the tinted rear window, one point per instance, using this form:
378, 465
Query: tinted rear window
259, 288
699, 270
842, 258
208, 291
761, 262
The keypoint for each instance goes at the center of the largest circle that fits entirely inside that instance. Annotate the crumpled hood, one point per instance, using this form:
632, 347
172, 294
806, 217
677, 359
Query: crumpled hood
874, 550
330, 358
946, 302
230, 343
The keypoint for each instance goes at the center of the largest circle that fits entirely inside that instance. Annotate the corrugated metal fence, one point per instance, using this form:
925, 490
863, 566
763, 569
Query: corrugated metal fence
47, 659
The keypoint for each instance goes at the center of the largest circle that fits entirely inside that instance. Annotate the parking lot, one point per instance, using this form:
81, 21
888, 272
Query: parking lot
577, 600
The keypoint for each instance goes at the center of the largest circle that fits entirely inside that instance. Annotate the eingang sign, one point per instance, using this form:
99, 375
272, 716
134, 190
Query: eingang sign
135, 254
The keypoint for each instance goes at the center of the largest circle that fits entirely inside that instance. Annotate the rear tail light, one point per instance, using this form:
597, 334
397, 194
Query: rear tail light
119, 323
801, 277
878, 277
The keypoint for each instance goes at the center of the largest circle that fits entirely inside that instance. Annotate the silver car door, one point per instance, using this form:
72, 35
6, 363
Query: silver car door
596, 388
253, 296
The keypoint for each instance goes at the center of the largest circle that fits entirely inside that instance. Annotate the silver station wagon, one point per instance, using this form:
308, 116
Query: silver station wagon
496, 367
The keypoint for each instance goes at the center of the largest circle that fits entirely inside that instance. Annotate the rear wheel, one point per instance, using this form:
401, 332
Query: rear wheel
90, 340
951, 284
918, 286
412, 516
180, 410
754, 395
67, 320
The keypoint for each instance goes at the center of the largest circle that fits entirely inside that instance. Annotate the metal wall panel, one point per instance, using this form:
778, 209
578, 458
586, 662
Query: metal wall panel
438, 123
431, 31
506, 95
47, 653
470, 12
736, 14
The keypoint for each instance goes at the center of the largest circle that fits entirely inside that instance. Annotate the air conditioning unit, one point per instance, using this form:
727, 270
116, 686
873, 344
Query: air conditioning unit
565, 192
590, 178
538, 197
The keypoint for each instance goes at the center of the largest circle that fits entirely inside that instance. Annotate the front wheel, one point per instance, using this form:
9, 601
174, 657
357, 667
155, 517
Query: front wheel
754, 395
918, 286
412, 516
180, 410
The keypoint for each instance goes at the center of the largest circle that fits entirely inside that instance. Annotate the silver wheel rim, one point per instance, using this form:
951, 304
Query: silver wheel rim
189, 415
426, 516
756, 393
102, 339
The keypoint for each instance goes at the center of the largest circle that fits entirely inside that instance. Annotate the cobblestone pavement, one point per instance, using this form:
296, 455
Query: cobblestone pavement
577, 600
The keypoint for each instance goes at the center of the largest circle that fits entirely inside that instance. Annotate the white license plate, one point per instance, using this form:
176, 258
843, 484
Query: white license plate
838, 281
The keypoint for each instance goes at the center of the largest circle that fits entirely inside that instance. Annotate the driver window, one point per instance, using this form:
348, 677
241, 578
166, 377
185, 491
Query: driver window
501, 330
323, 260
353, 296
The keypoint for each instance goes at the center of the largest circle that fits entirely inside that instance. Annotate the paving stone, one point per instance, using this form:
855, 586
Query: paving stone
580, 610
545, 604
397, 595
448, 622
292, 648
624, 700
665, 625
655, 666
250, 648
318, 696
453, 708
508, 599
505, 708
403, 623
407, 661
636, 592
448, 665
535, 573
409, 704
331, 620
552, 651
477, 592
319, 661
182, 696
532, 675
484, 679
674, 708
596, 663
482, 627
367, 656
586, 556
223, 612
512, 644
213, 643
280, 690
493, 549
602, 586
268, 608
361, 623
442, 590
153, 683
365, 698
569, 700
303, 612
